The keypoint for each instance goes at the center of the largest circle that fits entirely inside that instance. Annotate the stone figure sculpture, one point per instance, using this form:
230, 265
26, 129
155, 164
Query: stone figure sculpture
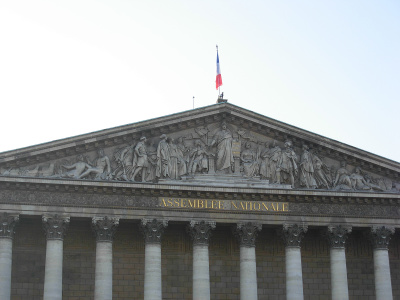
140, 163
249, 161
77, 169
321, 172
274, 158
265, 164
163, 158
101, 168
223, 140
358, 181
198, 159
177, 164
287, 168
342, 179
307, 169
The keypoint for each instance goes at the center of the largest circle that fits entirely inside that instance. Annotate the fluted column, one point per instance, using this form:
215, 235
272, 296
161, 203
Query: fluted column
55, 228
337, 236
201, 233
152, 230
7, 225
292, 235
104, 229
380, 237
246, 234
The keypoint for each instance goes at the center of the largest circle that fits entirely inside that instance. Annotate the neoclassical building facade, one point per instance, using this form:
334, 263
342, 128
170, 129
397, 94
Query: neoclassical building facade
217, 202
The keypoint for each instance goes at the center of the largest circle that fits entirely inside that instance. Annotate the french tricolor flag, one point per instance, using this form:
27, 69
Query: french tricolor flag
218, 81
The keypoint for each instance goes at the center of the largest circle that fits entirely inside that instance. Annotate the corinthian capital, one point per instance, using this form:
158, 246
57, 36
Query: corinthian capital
337, 235
7, 225
200, 231
55, 226
246, 233
152, 230
104, 228
380, 236
292, 234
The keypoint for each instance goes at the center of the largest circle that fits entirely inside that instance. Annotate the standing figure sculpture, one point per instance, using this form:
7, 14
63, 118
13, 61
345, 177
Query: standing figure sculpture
223, 140
140, 162
265, 165
321, 172
249, 161
287, 165
307, 169
177, 165
101, 169
163, 158
198, 159
274, 157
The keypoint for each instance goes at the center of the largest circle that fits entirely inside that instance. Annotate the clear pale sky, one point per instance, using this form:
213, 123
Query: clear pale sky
78, 66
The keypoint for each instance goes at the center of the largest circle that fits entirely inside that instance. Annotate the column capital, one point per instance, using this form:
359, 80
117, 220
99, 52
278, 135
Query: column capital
152, 230
337, 235
7, 225
292, 234
246, 233
380, 236
55, 226
200, 231
104, 228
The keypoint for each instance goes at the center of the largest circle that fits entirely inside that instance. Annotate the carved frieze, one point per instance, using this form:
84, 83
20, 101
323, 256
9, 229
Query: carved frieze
380, 236
292, 234
152, 230
225, 152
337, 235
55, 226
7, 225
104, 228
246, 233
200, 231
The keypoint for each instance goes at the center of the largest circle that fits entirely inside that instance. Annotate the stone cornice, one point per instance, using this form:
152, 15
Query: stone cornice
104, 228
55, 226
7, 225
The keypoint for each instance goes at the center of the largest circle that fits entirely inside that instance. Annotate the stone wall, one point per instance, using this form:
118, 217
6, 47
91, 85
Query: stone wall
128, 263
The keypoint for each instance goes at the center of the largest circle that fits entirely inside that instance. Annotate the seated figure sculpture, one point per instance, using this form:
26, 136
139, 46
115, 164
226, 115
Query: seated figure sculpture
249, 160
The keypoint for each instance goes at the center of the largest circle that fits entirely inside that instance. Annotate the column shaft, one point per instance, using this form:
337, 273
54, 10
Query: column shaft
294, 275
53, 270
201, 273
383, 283
340, 289
103, 281
152, 272
5, 268
248, 273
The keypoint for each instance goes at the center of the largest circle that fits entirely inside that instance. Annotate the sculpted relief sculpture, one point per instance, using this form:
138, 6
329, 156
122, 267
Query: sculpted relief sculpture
219, 150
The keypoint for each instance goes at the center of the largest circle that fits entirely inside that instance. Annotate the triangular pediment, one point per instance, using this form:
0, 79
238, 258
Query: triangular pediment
218, 145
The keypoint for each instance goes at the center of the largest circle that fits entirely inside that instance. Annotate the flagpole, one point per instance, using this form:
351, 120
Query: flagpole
219, 88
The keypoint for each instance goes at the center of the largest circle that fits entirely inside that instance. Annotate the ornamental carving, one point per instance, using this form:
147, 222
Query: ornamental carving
246, 233
217, 154
104, 228
337, 235
7, 225
200, 232
292, 234
380, 236
55, 227
152, 230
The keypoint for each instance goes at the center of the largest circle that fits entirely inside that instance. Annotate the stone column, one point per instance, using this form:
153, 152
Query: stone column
246, 234
201, 233
337, 236
152, 230
7, 225
55, 228
380, 237
104, 229
292, 235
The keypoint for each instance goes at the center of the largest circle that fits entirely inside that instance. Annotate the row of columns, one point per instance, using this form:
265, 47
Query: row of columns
200, 232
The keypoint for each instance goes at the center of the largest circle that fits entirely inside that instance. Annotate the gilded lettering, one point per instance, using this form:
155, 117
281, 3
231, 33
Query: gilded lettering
163, 202
273, 207
190, 204
241, 204
258, 206
285, 207
265, 206
183, 203
234, 204
201, 204
219, 204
